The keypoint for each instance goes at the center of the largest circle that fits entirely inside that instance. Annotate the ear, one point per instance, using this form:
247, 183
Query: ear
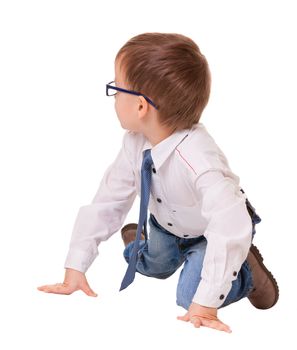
143, 107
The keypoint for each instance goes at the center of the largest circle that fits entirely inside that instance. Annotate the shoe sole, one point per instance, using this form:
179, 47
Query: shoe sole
260, 259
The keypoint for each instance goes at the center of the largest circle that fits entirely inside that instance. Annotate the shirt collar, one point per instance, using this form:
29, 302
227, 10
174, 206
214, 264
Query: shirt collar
161, 151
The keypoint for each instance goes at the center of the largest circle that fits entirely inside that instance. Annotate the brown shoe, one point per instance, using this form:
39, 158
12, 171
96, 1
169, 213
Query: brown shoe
265, 293
129, 233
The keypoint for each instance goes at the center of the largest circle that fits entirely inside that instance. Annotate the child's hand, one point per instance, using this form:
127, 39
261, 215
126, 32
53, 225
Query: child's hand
74, 280
204, 316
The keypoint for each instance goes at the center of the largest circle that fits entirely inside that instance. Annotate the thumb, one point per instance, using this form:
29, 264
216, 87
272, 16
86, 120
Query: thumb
185, 318
87, 290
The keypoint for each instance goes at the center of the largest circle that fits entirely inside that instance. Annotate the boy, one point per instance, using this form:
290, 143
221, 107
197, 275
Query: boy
199, 215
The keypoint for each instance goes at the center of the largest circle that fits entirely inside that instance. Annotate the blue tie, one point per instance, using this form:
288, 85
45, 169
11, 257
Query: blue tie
146, 176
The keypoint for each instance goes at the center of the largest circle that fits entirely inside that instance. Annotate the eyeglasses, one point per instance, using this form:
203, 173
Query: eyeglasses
110, 86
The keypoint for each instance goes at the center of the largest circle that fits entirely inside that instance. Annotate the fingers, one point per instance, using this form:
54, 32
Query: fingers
89, 291
201, 321
63, 288
196, 322
185, 318
220, 326
58, 288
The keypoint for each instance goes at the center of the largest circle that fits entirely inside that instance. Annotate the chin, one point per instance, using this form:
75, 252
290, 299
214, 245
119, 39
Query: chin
125, 127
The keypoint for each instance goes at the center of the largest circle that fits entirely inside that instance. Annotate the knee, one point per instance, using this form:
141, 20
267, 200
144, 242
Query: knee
162, 275
159, 268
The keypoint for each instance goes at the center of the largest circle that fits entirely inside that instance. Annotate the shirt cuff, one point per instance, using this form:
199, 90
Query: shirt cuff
210, 295
79, 260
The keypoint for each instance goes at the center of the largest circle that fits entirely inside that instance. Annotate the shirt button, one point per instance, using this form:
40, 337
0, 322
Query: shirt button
186, 235
222, 296
169, 224
234, 273
159, 200
154, 170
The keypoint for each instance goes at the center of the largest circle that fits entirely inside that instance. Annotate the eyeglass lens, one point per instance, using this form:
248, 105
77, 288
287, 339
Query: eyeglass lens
110, 91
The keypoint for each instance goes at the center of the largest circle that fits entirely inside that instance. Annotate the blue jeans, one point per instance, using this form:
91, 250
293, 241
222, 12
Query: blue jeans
163, 253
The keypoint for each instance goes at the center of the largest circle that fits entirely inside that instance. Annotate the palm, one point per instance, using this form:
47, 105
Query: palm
73, 281
202, 316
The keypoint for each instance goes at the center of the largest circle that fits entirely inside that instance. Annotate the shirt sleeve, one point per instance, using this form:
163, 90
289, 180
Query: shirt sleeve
105, 215
228, 234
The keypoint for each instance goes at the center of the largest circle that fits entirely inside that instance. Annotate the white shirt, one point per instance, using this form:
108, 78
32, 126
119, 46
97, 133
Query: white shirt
199, 193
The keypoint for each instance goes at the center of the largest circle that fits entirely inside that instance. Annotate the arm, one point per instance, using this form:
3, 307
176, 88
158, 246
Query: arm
105, 215
228, 236
97, 222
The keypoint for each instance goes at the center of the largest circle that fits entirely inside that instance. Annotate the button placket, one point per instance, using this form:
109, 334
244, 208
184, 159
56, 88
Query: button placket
158, 193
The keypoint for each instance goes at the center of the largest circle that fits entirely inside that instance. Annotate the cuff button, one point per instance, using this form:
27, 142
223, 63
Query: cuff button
222, 296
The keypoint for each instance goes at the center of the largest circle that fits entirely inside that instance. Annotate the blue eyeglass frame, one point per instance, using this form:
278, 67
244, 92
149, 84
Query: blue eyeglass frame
108, 86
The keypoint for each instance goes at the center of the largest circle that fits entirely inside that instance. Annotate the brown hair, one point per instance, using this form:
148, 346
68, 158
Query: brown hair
169, 69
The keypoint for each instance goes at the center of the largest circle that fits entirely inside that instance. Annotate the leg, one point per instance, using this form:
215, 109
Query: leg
191, 274
159, 256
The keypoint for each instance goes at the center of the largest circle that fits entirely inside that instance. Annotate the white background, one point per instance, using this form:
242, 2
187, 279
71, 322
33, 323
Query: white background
59, 132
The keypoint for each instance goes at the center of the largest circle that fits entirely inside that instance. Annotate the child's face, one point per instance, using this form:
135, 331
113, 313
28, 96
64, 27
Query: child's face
126, 105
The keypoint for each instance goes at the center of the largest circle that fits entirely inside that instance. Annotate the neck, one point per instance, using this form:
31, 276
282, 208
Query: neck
156, 137
153, 130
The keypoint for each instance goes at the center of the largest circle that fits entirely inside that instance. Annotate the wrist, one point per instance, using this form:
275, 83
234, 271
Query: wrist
205, 309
